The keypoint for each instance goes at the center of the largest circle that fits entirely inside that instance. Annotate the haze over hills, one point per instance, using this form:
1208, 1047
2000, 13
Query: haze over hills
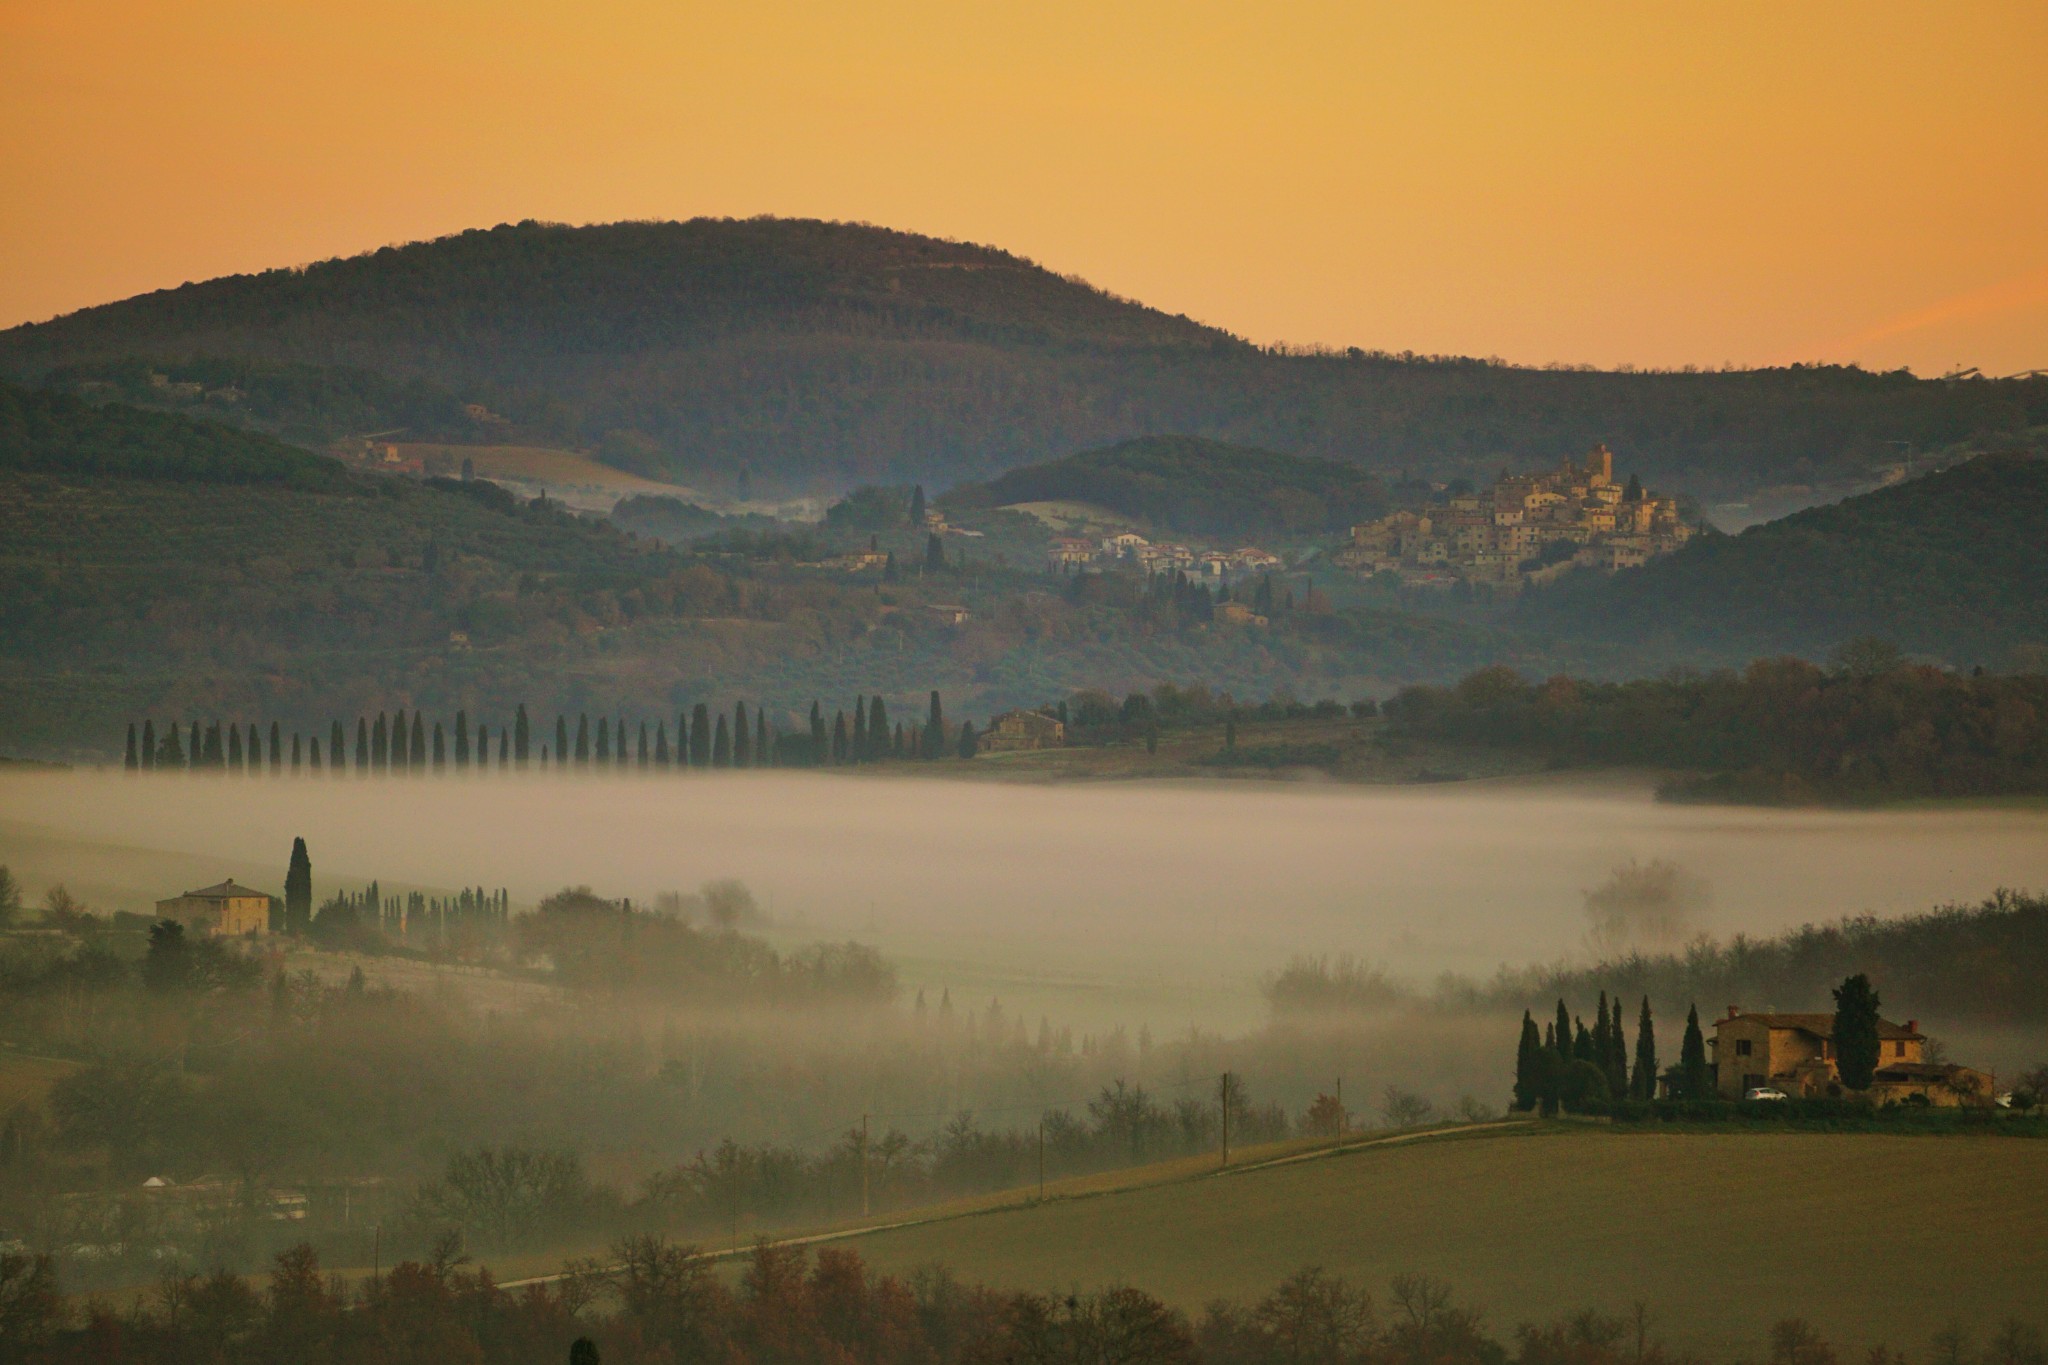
1950, 566
815, 355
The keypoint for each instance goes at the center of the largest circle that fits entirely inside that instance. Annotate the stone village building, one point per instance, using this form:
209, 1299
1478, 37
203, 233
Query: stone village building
228, 910
1795, 1053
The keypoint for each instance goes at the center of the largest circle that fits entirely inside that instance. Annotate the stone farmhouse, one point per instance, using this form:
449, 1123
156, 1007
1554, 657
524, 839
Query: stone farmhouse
1795, 1053
1018, 730
1526, 528
229, 910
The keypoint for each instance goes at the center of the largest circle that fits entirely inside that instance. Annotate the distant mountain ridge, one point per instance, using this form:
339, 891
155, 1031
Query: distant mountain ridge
818, 355
1953, 566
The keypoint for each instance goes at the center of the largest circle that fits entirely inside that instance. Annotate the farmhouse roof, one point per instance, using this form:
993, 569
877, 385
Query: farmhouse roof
1822, 1025
227, 890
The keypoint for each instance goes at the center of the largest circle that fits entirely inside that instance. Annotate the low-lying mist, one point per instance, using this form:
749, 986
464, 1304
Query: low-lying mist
1126, 904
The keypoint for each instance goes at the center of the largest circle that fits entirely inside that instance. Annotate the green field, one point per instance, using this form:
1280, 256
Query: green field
1871, 1238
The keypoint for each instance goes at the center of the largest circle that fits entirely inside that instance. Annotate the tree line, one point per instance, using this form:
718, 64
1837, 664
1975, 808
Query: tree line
396, 744
650, 1299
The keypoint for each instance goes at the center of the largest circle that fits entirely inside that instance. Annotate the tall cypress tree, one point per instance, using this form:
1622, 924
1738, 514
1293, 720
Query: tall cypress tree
878, 728
132, 761
298, 890
440, 748
522, 735
700, 735
721, 744
313, 754
858, 753
196, 750
935, 728
1563, 1045
742, 737
337, 741
916, 506
377, 744
819, 739
763, 756
661, 744
1693, 1074
276, 748
504, 748
1642, 1084
561, 739
363, 745
234, 748
619, 741
604, 742
419, 743
461, 738
147, 757
1600, 1034
1528, 1058
1858, 1048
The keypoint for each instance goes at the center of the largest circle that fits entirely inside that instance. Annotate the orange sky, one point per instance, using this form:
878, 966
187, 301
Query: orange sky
1657, 185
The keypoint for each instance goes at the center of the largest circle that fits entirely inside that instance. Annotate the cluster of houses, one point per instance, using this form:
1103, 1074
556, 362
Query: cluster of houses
1794, 1055
1526, 528
1128, 547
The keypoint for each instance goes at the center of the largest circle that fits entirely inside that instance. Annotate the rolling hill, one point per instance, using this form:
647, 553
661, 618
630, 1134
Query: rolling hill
814, 355
1190, 486
1525, 1223
1949, 566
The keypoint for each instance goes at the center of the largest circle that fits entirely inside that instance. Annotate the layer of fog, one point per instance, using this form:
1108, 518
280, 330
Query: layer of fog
1100, 904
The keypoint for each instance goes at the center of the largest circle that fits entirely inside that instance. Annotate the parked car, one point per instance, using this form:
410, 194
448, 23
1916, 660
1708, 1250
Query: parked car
1764, 1092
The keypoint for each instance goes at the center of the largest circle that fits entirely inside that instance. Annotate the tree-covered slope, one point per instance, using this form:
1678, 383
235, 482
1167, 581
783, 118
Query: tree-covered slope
1953, 566
56, 433
817, 354
1192, 486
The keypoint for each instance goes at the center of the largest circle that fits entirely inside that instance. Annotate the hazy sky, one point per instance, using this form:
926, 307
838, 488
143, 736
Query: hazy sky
1651, 184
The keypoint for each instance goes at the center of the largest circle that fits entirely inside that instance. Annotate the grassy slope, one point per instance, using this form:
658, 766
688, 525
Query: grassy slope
1950, 565
816, 351
1871, 1237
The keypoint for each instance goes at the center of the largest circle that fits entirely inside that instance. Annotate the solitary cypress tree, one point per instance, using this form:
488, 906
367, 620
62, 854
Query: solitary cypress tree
721, 744
742, 737
298, 890
661, 744
1642, 1084
968, 744
700, 735
583, 739
604, 742
440, 748
878, 728
642, 756
419, 743
1692, 1060
276, 748
522, 735
859, 752
131, 760
1527, 1059
148, 754
1857, 1047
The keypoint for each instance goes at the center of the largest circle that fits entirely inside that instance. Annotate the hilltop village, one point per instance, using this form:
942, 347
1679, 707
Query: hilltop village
1526, 528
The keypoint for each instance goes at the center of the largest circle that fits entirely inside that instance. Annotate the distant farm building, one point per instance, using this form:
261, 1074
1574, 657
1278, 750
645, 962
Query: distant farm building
228, 910
1795, 1053
1017, 730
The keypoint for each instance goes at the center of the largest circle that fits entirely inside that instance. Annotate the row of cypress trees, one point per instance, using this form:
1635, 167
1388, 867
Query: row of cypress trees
398, 744
1569, 1065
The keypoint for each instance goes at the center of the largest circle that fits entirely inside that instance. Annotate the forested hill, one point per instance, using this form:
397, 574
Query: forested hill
54, 433
1951, 566
816, 354
1191, 486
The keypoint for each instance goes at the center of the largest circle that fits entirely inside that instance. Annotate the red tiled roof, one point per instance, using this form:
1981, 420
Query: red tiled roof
1819, 1025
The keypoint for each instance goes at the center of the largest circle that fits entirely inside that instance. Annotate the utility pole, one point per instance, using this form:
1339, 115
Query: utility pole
863, 1165
1223, 1096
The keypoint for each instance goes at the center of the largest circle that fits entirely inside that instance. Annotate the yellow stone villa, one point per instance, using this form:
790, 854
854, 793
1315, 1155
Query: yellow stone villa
1795, 1053
228, 910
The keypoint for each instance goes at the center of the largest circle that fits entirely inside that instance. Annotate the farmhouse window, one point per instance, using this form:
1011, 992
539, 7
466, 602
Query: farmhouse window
1742, 1047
